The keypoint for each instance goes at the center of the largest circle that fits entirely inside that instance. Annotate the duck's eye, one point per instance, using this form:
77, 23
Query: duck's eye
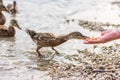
77, 34
14, 22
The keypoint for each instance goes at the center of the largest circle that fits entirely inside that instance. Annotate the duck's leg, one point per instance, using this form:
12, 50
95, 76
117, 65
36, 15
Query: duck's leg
55, 50
38, 48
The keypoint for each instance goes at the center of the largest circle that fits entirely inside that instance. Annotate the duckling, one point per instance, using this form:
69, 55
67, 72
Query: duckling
13, 9
9, 31
2, 17
50, 40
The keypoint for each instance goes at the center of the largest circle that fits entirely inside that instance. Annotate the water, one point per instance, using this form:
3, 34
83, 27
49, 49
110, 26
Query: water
18, 58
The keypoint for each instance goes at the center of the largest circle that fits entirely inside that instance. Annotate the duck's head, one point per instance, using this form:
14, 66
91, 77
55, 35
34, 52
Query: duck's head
76, 35
14, 23
14, 3
3, 8
31, 32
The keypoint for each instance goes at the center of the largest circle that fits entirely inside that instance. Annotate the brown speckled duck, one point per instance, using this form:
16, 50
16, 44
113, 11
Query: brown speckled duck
49, 40
2, 17
9, 31
13, 9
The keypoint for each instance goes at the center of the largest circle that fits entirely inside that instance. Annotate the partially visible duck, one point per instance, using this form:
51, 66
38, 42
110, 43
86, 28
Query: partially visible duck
9, 31
1, 1
13, 9
50, 40
2, 17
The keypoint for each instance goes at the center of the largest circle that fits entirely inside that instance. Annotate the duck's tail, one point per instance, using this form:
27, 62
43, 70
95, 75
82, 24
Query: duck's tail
32, 33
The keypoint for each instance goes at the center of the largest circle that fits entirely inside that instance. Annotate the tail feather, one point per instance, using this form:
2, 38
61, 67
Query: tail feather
32, 33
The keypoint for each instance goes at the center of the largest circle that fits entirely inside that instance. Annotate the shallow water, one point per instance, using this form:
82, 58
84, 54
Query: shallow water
18, 59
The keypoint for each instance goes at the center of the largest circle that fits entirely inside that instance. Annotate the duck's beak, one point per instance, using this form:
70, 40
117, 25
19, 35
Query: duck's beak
84, 37
6, 10
18, 26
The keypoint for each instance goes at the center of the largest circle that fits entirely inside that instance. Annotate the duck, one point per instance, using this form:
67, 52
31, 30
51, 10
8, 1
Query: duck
2, 17
9, 31
1, 1
13, 9
50, 40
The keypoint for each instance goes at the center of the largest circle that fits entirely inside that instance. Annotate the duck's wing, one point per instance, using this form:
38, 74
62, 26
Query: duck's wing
44, 37
3, 33
49, 35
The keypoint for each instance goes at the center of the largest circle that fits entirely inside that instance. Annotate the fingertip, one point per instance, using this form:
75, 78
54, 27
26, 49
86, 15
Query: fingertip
86, 42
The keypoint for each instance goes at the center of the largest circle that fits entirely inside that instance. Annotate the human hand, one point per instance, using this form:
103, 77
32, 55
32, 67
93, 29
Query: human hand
106, 36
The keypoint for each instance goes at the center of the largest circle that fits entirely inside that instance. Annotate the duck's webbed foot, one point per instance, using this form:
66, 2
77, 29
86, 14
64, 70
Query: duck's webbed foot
55, 50
38, 48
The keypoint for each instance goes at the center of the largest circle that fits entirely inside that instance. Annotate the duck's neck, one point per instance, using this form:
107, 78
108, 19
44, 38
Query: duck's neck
1, 14
61, 39
2, 18
14, 4
11, 31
